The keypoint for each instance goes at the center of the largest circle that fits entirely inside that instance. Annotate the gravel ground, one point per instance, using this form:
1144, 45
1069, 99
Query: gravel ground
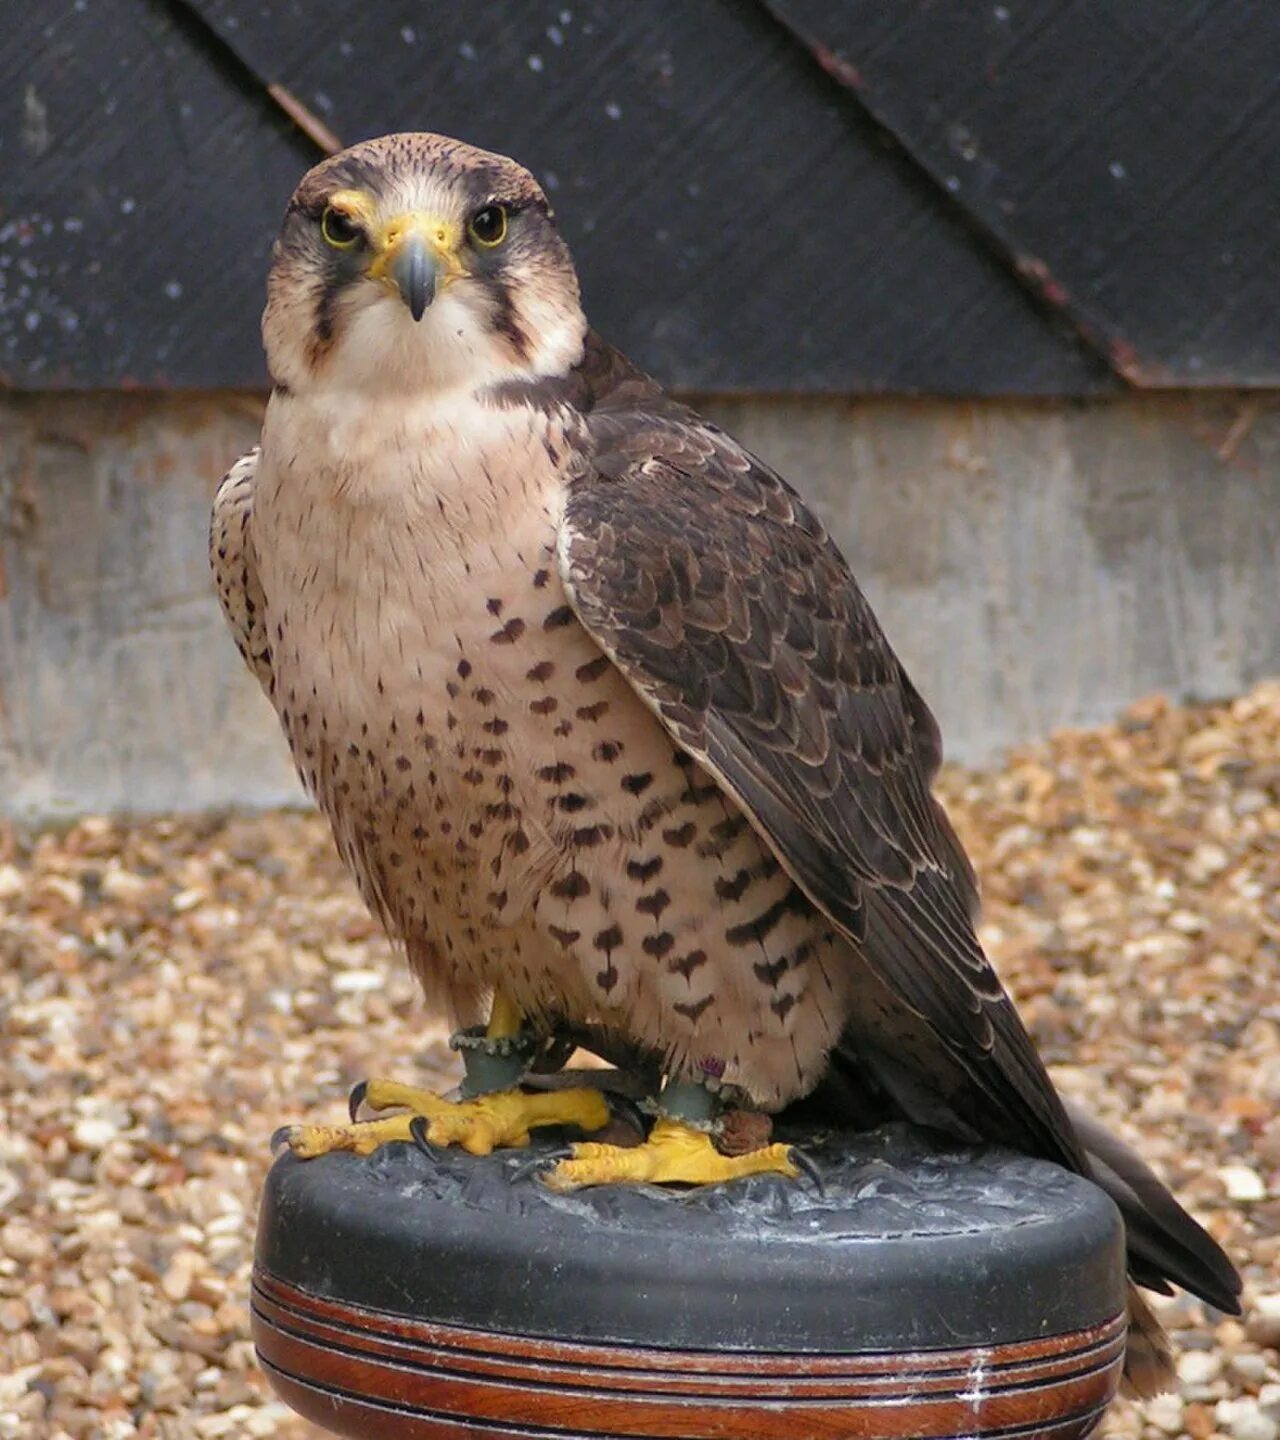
171, 990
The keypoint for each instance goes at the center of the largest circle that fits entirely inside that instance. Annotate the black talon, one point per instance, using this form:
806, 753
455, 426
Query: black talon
543, 1161
354, 1101
418, 1130
625, 1106
279, 1137
802, 1162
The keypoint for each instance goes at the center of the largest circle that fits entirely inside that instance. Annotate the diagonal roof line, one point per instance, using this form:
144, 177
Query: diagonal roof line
1028, 271
306, 120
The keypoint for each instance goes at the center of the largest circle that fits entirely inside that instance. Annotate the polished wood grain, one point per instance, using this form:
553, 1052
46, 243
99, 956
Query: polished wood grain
366, 1373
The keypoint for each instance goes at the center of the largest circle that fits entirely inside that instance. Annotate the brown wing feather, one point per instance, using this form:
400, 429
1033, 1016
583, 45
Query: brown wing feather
736, 619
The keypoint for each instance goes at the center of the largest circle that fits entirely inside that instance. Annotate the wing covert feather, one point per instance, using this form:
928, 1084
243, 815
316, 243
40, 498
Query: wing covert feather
735, 618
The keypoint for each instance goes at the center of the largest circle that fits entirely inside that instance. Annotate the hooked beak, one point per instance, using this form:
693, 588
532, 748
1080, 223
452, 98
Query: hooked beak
416, 256
414, 268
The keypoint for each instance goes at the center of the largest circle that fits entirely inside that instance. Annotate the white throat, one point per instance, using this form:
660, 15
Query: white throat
381, 348
409, 454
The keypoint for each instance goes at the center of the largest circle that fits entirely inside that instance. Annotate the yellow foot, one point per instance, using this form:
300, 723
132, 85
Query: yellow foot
481, 1126
674, 1154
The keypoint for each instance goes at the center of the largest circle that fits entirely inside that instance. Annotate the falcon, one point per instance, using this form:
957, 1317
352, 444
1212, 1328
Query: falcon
605, 729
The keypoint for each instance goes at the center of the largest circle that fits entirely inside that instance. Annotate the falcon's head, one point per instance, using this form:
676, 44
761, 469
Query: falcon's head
415, 261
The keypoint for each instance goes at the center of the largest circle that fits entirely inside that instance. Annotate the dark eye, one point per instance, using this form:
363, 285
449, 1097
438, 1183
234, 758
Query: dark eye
489, 226
338, 228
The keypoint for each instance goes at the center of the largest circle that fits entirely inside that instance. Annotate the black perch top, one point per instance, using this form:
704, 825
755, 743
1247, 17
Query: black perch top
397, 1296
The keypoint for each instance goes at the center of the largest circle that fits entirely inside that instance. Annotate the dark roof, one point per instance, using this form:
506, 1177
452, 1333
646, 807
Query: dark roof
1037, 197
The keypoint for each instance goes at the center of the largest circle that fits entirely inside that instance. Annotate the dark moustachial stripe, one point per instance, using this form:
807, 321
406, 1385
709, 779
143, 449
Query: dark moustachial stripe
505, 320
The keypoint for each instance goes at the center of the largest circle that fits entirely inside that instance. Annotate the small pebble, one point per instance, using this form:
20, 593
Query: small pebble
93, 1133
1248, 1366
1243, 1419
1198, 1421
1165, 1413
350, 982
1262, 1320
1242, 1183
23, 1242
176, 1283
1198, 1367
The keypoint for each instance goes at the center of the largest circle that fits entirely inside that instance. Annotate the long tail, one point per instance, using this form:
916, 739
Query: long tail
1148, 1359
1165, 1247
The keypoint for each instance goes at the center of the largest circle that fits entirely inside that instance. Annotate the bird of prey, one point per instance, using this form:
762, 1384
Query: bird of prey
605, 729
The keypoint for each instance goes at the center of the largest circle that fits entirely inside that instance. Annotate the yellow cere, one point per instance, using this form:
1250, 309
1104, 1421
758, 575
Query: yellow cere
443, 236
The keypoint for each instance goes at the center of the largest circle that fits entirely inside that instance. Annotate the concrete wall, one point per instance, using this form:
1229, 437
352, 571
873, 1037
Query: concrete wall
1037, 565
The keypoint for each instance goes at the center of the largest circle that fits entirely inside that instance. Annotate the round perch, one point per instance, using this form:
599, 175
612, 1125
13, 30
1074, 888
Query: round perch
926, 1293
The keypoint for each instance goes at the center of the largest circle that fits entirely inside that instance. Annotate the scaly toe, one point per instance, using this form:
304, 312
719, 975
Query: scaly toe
500, 1120
361, 1138
608, 1165
476, 1130
381, 1093
674, 1154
